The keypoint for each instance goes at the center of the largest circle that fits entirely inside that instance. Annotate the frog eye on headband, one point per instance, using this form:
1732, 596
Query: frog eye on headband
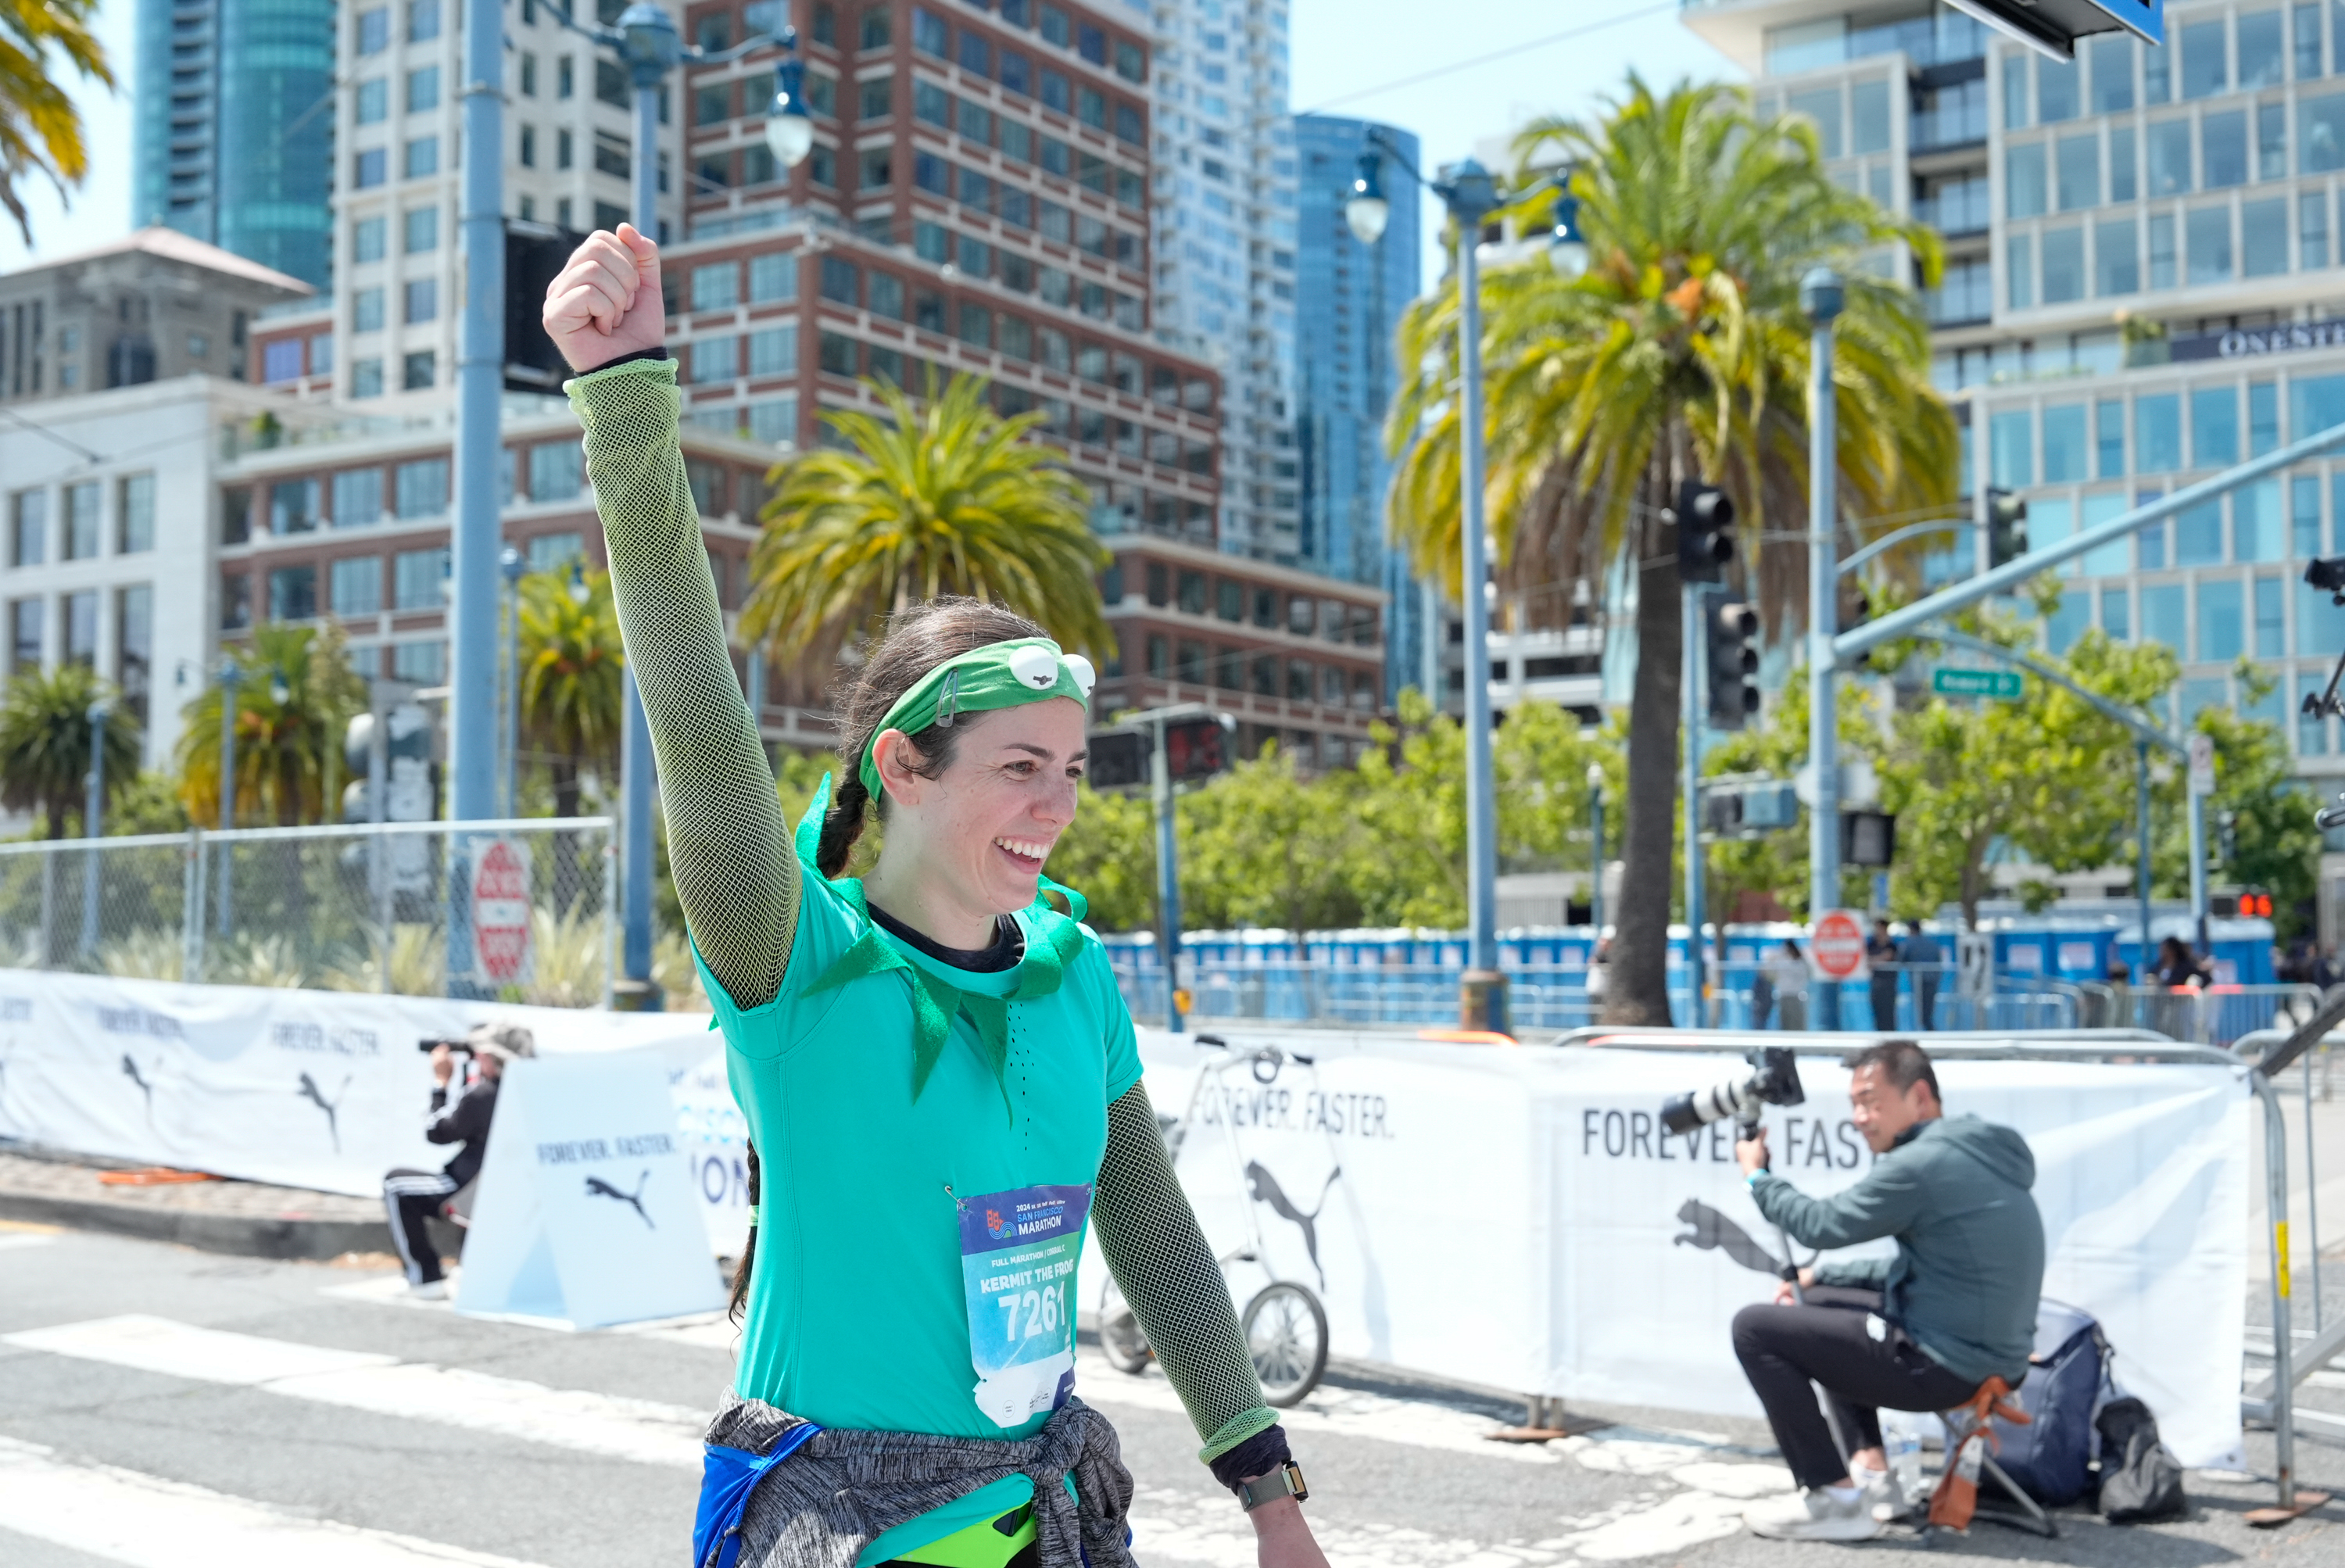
1085, 676
1037, 667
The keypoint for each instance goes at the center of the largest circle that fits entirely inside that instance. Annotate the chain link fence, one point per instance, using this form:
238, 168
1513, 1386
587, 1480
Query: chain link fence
512, 910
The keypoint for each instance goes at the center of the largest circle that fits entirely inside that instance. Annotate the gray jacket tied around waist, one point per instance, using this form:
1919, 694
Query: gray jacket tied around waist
844, 1488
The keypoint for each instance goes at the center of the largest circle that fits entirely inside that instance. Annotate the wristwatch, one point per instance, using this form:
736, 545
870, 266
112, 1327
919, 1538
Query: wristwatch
1286, 1480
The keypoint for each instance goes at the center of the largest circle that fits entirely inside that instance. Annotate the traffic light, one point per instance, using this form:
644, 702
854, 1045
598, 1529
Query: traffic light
1119, 759
1867, 838
1704, 516
2007, 526
1730, 625
1197, 747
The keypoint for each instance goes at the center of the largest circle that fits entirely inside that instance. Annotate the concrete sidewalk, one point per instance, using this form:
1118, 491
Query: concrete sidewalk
246, 1219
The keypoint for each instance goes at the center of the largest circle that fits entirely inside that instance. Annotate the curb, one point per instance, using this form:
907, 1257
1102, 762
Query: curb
282, 1239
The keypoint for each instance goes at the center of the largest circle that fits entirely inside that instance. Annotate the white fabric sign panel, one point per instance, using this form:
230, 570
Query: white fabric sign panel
1514, 1218
586, 1213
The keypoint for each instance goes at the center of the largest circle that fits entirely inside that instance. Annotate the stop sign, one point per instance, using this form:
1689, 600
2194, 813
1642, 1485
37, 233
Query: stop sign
501, 910
1836, 949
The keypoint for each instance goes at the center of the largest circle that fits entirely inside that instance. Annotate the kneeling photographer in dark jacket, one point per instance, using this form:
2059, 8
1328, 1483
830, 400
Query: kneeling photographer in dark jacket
1919, 1332
411, 1196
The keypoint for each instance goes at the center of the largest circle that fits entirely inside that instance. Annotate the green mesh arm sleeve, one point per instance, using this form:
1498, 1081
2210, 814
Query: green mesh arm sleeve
729, 850
1150, 1237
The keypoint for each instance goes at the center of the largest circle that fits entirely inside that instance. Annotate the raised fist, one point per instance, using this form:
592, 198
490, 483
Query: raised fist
607, 303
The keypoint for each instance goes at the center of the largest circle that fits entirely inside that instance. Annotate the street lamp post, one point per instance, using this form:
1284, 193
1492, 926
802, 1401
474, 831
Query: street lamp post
509, 564
1821, 296
232, 676
1471, 196
645, 41
99, 714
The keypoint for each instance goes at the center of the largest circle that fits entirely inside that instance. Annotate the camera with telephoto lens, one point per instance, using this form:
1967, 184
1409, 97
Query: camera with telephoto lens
458, 1047
1773, 1080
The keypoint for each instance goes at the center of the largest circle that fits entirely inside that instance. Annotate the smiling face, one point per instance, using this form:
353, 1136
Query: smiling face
966, 845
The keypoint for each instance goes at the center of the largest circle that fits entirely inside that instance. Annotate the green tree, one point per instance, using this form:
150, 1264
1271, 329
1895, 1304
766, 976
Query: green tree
2276, 845
297, 695
1109, 856
573, 674
946, 499
1683, 352
40, 130
45, 744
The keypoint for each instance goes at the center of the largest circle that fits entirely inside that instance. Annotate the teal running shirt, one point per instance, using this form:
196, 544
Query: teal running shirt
860, 1297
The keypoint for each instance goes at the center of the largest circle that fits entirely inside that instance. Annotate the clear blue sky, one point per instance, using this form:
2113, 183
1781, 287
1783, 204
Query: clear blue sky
1340, 48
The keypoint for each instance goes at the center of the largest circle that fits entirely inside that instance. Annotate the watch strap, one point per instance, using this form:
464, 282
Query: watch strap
1286, 1480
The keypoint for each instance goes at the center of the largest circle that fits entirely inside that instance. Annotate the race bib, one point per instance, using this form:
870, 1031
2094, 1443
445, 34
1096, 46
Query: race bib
1018, 1255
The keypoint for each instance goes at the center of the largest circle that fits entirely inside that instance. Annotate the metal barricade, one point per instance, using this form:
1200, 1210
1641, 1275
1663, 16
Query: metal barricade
2278, 1062
340, 908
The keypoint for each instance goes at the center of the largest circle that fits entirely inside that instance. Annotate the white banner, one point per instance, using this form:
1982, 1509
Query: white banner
1514, 1219
318, 1089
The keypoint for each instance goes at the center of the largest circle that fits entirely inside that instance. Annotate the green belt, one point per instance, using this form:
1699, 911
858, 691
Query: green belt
989, 1544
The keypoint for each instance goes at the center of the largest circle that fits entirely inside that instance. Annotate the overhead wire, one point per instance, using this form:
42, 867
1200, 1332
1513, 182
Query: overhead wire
1508, 53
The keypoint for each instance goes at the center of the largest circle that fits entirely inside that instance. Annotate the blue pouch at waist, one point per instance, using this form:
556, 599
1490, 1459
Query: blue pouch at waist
728, 1476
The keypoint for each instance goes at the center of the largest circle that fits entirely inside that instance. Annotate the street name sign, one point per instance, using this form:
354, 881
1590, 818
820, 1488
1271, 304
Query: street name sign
1996, 684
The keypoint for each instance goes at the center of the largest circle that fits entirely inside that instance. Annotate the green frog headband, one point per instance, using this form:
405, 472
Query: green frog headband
999, 674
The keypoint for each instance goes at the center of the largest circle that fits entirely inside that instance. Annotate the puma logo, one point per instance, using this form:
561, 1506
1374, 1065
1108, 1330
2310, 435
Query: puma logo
130, 1070
1712, 1231
311, 1092
597, 1187
1265, 1189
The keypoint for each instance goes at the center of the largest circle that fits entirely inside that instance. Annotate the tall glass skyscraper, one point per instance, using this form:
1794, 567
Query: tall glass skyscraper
234, 138
1352, 300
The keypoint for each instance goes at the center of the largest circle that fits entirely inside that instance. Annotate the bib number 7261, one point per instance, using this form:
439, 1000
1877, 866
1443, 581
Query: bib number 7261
1040, 1311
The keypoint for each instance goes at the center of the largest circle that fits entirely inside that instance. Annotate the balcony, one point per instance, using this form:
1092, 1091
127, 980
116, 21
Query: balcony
1961, 122
1957, 209
1965, 296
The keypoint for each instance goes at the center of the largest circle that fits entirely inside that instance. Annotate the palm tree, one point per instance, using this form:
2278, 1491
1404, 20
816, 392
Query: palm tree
948, 499
572, 672
1681, 352
39, 129
297, 696
45, 744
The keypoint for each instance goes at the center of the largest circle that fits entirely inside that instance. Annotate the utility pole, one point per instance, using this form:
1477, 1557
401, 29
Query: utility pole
1820, 297
93, 825
480, 386
1167, 868
1595, 853
232, 676
1692, 640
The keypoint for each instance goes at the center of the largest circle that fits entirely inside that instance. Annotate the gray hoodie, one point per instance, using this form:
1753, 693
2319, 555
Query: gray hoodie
1970, 1245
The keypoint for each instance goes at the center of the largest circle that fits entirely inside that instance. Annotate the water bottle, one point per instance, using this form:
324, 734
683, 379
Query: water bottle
1904, 1446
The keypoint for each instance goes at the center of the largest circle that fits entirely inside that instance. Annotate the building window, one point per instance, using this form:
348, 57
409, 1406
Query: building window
716, 359
417, 370
716, 288
773, 277
372, 102
366, 378
374, 30
422, 20
419, 489
929, 34
528, 147
422, 89
366, 310
529, 76
293, 594
369, 169
565, 79
358, 498
368, 238
774, 419
357, 585
775, 350
415, 578
135, 514
557, 471
134, 646
419, 228
565, 154
423, 663
28, 527
23, 635
420, 158
80, 539
421, 300
293, 507
555, 551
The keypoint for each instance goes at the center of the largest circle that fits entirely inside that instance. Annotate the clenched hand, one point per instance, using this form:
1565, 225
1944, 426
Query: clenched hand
607, 303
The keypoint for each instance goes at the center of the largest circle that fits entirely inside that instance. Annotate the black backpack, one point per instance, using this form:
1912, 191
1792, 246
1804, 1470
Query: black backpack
2141, 1480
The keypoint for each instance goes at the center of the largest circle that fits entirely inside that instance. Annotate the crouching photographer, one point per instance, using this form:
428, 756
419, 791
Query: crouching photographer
413, 1197
1921, 1331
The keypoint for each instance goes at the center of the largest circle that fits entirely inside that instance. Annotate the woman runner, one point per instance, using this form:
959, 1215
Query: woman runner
937, 1071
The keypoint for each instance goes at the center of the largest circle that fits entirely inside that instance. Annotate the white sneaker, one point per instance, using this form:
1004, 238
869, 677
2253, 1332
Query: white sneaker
1882, 1495
1814, 1514
430, 1290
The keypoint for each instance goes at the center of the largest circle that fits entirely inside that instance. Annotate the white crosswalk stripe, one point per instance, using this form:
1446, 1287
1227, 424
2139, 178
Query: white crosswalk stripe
147, 1523
643, 1431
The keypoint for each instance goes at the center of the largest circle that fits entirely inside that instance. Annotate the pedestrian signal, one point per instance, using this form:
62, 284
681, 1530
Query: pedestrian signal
1704, 516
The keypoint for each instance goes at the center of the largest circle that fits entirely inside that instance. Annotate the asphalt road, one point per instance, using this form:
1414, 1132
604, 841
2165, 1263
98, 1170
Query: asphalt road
165, 1407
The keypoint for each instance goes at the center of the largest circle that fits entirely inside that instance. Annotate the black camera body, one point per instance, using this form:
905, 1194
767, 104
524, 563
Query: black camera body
1773, 1080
